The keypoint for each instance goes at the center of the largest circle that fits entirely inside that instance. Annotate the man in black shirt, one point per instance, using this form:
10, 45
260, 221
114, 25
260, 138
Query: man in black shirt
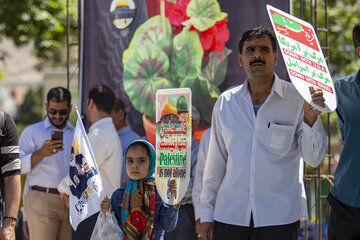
9, 176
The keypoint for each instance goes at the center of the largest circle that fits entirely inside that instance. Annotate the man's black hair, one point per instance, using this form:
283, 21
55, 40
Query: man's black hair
256, 33
356, 35
119, 105
59, 94
103, 97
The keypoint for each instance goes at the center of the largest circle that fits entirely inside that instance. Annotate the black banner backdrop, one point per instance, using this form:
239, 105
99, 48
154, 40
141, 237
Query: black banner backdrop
102, 43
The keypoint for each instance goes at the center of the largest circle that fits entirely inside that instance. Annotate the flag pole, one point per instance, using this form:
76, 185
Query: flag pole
86, 138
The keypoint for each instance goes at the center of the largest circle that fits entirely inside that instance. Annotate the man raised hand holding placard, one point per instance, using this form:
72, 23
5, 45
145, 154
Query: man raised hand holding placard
253, 182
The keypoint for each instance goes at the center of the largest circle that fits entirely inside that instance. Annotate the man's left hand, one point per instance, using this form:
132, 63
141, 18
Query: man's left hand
7, 233
310, 113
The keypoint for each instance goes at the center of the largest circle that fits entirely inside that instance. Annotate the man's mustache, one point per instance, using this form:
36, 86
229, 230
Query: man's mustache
257, 61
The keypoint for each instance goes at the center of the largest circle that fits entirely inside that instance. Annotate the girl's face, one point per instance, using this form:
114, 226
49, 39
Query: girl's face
137, 162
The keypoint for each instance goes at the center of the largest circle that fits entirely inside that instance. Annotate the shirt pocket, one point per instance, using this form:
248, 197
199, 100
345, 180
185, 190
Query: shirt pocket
280, 137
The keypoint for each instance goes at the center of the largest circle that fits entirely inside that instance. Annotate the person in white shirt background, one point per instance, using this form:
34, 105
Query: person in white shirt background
106, 146
46, 163
253, 186
199, 173
198, 178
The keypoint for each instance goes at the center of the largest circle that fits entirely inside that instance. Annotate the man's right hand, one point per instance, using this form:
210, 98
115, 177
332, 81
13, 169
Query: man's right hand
51, 147
26, 229
207, 229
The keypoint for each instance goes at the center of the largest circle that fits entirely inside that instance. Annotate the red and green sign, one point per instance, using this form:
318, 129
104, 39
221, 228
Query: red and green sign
173, 142
303, 57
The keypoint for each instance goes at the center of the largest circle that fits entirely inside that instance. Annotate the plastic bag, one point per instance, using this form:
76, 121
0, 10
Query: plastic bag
107, 228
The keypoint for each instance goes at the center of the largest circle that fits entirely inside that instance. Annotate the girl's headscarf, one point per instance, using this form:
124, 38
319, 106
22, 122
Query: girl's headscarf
138, 206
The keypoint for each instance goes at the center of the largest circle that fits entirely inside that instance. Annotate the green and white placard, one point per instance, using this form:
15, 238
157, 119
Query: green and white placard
173, 142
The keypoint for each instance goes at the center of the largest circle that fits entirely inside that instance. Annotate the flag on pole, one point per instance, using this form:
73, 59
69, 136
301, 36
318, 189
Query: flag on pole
86, 191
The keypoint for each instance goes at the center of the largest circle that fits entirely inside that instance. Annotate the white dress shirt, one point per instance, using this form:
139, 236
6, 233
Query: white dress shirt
199, 171
254, 163
106, 146
50, 170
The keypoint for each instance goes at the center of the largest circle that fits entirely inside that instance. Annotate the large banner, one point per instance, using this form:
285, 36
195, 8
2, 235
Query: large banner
109, 25
107, 28
86, 192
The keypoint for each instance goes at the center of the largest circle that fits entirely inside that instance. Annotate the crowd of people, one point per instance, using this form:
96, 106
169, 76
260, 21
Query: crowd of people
246, 179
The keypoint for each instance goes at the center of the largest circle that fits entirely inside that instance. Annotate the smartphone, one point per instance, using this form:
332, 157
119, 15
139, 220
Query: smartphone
57, 135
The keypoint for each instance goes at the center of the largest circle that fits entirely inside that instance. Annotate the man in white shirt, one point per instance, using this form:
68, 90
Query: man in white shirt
106, 146
46, 163
253, 186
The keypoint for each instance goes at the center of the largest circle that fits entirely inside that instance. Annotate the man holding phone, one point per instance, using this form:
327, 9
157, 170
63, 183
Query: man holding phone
44, 152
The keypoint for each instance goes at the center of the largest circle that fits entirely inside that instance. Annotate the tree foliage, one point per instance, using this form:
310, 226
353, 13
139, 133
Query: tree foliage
31, 110
40, 22
342, 16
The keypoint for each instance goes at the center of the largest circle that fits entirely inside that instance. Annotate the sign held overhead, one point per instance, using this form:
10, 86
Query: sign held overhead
303, 57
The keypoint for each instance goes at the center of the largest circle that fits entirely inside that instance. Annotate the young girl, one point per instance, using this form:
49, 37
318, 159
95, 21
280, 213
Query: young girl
140, 212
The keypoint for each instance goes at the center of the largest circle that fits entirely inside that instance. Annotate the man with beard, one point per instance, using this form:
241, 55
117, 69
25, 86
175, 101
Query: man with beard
46, 163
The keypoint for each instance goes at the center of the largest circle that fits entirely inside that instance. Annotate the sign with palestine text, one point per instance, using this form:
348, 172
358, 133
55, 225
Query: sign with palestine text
303, 57
173, 142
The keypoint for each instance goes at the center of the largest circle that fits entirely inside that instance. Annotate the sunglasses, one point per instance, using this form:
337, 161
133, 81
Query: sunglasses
61, 112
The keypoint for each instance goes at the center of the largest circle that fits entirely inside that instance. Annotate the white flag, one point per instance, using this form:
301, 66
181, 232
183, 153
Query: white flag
86, 191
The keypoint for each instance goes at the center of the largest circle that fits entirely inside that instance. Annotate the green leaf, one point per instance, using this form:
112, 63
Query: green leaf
223, 15
215, 70
207, 87
203, 14
212, 75
190, 82
187, 56
143, 75
202, 101
209, 93
150, 32
206, 106
210, 78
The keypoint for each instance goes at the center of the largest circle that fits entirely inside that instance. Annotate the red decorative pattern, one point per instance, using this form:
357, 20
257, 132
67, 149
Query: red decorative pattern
138, 220
152, 202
